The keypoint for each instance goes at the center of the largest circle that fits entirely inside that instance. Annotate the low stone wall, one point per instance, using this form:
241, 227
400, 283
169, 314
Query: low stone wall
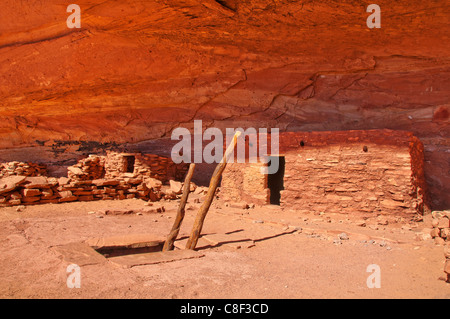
92, 178
22, 169
21, 190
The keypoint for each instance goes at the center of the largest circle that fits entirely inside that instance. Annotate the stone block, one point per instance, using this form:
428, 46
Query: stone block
105, 182
391, 204
443, 222
86, 198
63, 181
14, 202
176, 187
435, 232
37, 182
47, 192
80, 254
445, 232
15, 195
65, 194
46, 197
32, 199
68, 199
82, 193
8, 184
75, 170
133, 181
31, 192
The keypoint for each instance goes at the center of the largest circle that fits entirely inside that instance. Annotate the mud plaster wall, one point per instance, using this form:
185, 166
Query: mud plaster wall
332, 172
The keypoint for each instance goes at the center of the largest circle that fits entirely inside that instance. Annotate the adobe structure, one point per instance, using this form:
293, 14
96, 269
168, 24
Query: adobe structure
372, 171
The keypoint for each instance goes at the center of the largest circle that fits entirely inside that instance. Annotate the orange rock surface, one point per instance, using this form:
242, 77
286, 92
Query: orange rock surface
137, 70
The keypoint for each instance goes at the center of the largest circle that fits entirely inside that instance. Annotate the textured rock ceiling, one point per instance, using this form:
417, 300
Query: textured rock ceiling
137, 69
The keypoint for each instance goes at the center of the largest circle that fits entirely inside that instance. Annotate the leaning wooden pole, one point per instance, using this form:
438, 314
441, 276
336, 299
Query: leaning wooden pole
168, 245
198, 224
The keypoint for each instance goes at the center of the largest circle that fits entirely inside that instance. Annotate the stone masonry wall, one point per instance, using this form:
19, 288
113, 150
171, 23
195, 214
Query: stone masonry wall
97, 178
22, 190
148, 165
375, 171
244, 182
347, 179
92, 167
23, 169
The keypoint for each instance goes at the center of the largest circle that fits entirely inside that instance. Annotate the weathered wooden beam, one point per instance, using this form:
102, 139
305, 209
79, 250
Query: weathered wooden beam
168, 245
215, 179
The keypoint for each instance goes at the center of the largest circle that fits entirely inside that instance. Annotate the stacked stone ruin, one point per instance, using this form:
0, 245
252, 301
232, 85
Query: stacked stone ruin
23, 169
92, 167
96, 178
150, 165
22, 190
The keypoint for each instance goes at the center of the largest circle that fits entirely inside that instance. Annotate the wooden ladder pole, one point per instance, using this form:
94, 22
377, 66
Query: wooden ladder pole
168, 244
198, 224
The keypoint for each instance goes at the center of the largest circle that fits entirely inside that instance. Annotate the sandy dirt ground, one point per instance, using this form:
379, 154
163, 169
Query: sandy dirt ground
264, 252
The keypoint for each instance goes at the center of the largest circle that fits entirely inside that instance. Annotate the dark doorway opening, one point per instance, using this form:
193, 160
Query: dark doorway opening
128, 164
275, 181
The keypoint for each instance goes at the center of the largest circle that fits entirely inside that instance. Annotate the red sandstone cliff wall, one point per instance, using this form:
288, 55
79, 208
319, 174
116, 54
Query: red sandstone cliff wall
136, 70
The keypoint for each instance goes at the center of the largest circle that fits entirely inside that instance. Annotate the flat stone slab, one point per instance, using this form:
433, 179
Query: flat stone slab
8, 184
79, 253
105, 182
38, 182
129, 261
126, 241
